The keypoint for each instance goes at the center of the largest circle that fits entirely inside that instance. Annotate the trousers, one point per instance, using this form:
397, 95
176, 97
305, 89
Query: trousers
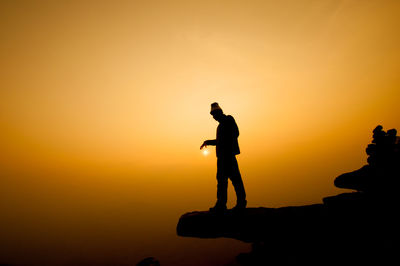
227, 167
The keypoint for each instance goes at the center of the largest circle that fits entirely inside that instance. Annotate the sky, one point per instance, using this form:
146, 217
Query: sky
104, 105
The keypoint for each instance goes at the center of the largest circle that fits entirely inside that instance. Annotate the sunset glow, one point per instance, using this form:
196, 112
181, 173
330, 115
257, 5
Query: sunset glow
103, 107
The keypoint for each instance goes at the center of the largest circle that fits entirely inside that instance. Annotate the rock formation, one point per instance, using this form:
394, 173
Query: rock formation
382, 172
350, 228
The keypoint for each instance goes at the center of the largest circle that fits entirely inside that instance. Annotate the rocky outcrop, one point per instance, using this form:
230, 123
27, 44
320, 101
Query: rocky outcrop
350, 228
382, 173
251, 224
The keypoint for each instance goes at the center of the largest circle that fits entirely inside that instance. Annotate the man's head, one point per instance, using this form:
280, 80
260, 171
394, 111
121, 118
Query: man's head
216, 112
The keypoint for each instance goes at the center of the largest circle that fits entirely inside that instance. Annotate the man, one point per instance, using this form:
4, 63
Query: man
227, 148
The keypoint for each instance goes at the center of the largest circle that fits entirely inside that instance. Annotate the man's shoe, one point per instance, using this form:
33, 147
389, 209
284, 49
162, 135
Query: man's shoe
240, 206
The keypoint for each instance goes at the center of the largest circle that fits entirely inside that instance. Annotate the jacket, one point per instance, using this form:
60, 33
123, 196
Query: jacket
227, 137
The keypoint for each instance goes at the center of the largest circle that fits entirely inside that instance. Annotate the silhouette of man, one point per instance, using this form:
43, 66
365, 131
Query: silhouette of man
227, 147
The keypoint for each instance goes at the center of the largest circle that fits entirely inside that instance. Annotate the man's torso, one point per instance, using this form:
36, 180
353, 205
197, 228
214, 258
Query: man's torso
227, 134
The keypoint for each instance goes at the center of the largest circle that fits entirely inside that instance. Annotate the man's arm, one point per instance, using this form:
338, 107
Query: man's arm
211, 142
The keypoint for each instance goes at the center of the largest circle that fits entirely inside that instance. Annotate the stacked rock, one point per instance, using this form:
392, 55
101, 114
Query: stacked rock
383, 169
384, 149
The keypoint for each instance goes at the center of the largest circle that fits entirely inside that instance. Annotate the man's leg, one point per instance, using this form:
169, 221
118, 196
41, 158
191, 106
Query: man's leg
222, 186
237, 183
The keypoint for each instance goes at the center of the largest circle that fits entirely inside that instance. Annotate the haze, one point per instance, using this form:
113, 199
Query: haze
104, 105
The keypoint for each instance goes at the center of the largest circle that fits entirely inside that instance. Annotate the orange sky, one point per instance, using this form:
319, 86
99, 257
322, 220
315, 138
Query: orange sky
112, 98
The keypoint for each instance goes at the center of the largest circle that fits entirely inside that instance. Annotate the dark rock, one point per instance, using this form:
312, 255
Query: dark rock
251, 224
348, 227
382, 174
150, 261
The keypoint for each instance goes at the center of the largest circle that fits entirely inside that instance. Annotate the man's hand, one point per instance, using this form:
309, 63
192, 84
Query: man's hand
203, 145
212, 142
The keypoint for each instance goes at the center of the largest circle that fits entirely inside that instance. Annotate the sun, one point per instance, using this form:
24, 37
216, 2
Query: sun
205, 152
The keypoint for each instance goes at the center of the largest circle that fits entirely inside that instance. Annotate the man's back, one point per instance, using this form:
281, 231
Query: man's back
227, 134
